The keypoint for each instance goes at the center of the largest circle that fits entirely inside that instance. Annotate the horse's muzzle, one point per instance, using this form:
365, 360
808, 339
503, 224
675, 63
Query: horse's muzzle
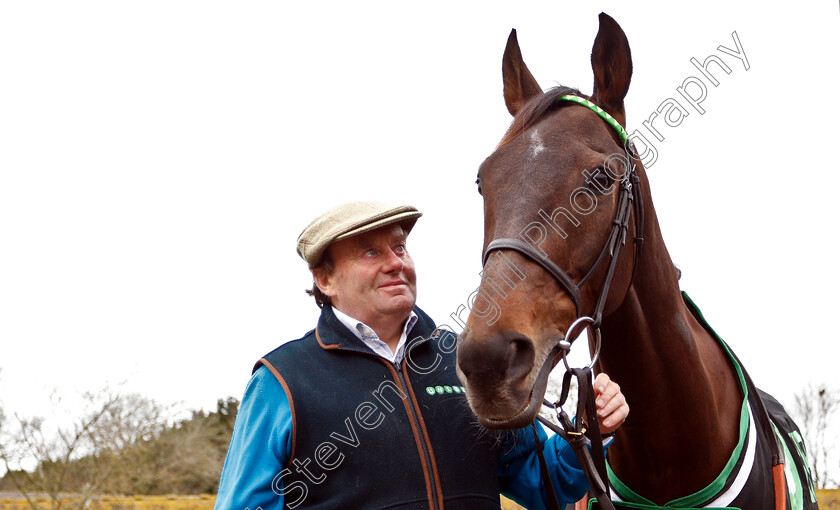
497, 372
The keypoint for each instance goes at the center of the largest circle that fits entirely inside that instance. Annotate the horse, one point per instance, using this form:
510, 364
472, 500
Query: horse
559, 193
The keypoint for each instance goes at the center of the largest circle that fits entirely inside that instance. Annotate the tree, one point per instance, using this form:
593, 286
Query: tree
183, 458
129, 420
80, 454
815, 407
118, 443
53, 448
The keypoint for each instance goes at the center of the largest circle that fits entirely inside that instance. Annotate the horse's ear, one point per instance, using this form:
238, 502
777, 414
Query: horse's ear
520, 85
612, 66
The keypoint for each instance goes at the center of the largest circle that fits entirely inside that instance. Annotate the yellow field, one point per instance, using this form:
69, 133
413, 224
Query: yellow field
171, 502
829, 500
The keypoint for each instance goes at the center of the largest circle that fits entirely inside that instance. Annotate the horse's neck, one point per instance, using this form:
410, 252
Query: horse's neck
684, 399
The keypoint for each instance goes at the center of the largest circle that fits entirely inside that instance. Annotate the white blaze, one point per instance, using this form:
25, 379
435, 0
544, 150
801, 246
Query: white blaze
537, 145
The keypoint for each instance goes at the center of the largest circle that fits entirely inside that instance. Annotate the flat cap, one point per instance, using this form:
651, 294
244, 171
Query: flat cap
348, 220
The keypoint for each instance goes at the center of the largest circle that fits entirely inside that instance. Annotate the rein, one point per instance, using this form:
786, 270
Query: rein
586, 430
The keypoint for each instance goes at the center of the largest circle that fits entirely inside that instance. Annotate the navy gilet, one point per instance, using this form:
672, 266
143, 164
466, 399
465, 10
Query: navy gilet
368, 433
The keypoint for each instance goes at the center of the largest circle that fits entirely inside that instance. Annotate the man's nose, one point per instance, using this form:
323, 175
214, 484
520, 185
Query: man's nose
393, 262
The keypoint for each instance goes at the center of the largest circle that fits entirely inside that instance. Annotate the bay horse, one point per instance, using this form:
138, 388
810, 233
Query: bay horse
559, 191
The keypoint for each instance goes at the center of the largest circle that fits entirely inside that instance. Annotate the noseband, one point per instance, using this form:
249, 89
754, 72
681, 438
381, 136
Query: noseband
629, 201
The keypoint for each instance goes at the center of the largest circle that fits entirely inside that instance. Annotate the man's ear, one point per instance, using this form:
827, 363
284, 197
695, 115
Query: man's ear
323, 281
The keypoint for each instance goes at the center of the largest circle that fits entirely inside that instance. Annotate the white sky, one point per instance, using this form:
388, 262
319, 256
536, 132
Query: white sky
158, 160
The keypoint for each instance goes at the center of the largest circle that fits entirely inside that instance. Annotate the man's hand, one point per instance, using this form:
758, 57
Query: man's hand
610, 403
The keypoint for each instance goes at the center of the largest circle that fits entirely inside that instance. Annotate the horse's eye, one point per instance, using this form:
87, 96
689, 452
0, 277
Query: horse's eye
478, 183
599, 181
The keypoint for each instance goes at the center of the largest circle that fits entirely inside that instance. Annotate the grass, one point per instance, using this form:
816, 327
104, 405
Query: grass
828, 499
168, 502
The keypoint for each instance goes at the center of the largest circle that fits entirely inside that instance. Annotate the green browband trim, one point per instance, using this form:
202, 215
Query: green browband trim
622, 134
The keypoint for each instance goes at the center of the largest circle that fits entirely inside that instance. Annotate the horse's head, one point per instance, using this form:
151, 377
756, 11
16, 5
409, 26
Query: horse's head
552, 184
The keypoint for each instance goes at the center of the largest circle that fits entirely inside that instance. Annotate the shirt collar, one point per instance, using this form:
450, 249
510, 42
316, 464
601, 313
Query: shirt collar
369, 337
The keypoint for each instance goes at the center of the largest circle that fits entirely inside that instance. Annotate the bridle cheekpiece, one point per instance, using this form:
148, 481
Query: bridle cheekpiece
585, 430
629, 202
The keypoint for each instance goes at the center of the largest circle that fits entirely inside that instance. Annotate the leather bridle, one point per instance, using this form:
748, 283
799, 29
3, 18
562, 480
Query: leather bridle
629, 203
584, 434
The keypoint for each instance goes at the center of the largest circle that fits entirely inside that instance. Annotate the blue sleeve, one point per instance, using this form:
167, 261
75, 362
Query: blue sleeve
259, 447
519, 470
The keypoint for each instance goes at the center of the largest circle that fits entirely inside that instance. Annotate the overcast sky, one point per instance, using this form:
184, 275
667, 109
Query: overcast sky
158, 160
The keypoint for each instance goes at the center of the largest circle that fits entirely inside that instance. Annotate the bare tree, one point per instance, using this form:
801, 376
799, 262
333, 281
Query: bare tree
815, 407
81, 455
52, 449
129, 420
185, 457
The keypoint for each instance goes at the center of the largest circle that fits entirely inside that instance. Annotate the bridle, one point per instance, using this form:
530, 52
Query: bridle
629, 202
587, 443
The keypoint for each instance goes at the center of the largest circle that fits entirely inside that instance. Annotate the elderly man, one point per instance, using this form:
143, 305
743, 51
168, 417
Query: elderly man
365, 411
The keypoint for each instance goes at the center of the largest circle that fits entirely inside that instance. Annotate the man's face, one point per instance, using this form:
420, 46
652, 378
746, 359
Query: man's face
373, 276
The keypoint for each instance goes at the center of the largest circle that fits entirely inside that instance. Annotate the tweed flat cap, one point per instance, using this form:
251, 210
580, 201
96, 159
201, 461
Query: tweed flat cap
348, 220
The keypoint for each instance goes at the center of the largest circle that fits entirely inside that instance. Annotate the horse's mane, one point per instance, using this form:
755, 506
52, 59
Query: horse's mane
535, 110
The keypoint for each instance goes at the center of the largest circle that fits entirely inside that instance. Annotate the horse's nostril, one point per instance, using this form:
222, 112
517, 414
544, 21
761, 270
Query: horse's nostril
496, 359
521, 359
472, 359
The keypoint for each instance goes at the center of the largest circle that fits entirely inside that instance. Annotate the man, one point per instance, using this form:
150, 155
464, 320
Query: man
365, 411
